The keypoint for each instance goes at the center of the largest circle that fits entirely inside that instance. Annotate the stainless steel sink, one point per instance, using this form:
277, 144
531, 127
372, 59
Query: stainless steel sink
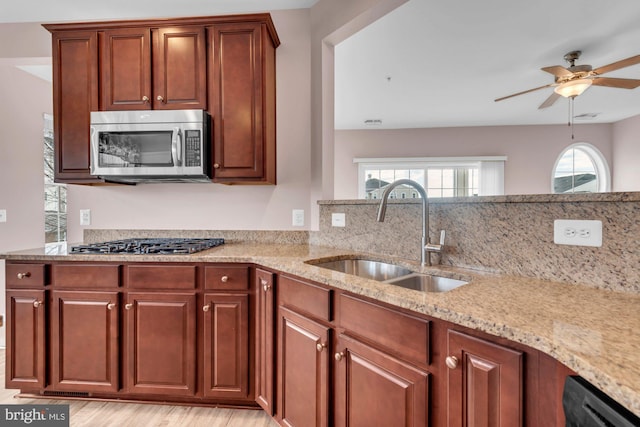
392, 274
368, 269
426, 282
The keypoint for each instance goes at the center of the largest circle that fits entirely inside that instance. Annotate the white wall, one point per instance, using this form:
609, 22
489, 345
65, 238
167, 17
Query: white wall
626, 155
531, 150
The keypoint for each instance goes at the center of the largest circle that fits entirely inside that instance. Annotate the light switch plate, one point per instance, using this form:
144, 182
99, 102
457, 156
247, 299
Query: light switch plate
85, 216
3, 215
338, 220
577, 232
297, 217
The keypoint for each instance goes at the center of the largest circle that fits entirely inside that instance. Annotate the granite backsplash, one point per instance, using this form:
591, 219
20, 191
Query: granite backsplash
506, 234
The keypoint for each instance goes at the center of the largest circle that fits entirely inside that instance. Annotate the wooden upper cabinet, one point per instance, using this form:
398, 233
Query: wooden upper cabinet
125, 74
485, 383
170, 75
242, 97
179, 68
75, 95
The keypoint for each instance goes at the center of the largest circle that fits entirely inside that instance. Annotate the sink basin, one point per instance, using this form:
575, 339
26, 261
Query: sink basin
426, 282
368, 269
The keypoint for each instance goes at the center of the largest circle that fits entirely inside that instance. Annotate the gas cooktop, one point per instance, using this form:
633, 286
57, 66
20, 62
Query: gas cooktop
161, 246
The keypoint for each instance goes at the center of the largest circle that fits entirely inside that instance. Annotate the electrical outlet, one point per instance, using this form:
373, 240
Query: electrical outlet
577, 232
297, 217
85, 216
338, 220
3, 215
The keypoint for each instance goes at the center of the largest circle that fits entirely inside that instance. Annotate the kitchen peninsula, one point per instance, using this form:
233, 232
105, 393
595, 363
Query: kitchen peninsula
534, 320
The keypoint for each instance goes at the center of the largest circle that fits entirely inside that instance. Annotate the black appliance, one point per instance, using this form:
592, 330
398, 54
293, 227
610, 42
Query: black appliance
158, 246
586, 406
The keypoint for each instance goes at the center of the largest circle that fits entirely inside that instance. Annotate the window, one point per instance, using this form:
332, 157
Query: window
441, 177
581, 168
55, 195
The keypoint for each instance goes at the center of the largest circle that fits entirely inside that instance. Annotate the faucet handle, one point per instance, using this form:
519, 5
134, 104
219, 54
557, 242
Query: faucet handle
432, 247
442, 235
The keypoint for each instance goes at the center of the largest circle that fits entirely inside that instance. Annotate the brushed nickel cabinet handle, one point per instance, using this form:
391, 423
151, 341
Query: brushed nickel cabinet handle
339, 356
37, 303
206, 307
110, 306
224, 279
451, 362
160, 98
145, 99
23, 275
216, 165
320, 347
128, 306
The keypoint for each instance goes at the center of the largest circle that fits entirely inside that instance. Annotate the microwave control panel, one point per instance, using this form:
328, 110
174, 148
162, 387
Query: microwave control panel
193, 155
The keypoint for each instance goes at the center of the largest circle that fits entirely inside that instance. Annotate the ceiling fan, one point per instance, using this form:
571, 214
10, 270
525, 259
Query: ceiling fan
572, 81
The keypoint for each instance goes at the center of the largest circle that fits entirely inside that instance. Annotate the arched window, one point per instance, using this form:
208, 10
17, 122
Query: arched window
581, 168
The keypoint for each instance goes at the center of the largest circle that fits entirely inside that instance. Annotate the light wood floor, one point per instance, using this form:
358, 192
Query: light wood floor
106, 414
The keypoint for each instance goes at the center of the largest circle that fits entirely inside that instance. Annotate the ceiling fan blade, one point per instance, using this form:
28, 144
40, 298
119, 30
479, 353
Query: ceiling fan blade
617, 65
523, 92
557, 71
615, 82
550, 100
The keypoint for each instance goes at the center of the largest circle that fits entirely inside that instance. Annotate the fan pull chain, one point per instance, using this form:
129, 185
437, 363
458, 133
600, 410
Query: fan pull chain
570, 123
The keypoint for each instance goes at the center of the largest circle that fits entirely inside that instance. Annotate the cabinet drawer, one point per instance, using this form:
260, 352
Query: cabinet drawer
400, 334
25, 275
305, 297
229, 277
161, 276
85, 275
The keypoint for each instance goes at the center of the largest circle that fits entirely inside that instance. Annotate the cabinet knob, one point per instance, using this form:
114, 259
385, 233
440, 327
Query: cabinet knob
23, 275
339, 356
451, 362
216, 165
110, 306
265, 285
320, 346
206, 307
160, 98
37, 303
128, 306
224, 279
145, 99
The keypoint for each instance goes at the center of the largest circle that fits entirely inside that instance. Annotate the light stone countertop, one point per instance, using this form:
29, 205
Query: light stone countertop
594, 332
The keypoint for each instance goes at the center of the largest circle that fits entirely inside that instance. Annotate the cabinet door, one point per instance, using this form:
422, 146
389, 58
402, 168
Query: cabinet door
303, 371
84, 341
25, 364
265, 340
160, 353
242, 142
374, 388
179, 68
75, 95
226, 346
125, 72
484, 383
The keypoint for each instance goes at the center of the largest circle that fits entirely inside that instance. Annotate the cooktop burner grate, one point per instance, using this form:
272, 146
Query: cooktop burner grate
161, 246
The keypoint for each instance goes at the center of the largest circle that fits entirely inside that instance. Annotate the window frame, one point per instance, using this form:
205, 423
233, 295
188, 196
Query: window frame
603, 173
431, 162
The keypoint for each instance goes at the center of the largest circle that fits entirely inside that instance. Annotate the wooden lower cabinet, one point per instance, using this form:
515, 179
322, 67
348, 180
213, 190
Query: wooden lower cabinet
485, 383
303, 366
25, 357
85, 341
373, 388
226, 346
265, 340
160, 349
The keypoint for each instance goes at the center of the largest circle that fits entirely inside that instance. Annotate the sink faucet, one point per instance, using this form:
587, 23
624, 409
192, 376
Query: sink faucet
426, 248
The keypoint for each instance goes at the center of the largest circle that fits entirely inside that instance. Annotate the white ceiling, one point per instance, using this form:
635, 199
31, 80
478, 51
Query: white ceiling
434, 63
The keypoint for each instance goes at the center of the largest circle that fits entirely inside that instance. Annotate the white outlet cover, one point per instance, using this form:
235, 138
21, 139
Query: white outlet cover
577, 232
338, 220
297, 217
3, 215
85, 216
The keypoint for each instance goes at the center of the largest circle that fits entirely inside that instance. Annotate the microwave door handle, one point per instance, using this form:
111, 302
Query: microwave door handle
176, 147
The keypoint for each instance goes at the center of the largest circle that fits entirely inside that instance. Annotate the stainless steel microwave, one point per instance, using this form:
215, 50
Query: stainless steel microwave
151, 146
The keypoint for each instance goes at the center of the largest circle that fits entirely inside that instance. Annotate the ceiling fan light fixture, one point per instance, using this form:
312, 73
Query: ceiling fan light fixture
573, 88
